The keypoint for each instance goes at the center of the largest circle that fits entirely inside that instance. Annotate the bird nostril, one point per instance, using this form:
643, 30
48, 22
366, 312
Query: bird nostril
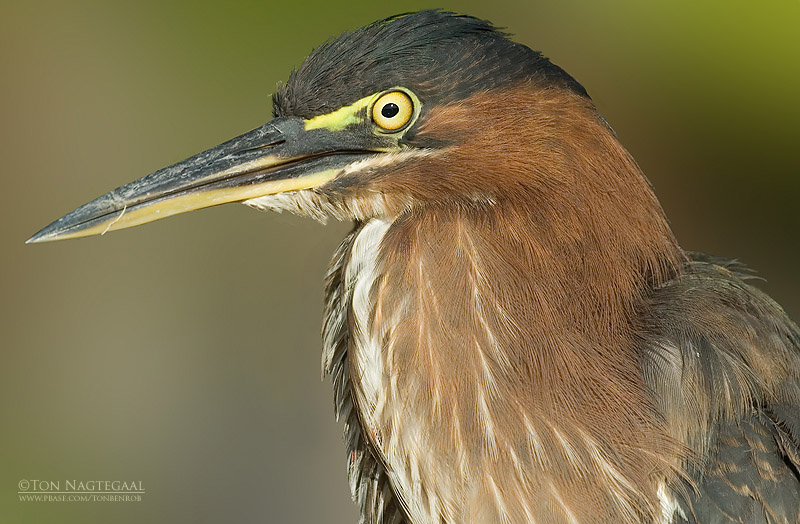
264, 146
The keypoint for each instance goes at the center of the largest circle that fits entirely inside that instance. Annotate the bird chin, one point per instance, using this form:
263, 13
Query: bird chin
322, 204
306, 203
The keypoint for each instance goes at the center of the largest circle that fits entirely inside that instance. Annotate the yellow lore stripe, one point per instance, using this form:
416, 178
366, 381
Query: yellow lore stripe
342, 117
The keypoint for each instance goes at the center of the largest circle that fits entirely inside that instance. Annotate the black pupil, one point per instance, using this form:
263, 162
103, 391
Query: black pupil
390, 110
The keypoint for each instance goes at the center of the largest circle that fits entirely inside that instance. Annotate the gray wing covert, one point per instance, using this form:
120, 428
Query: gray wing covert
725, 371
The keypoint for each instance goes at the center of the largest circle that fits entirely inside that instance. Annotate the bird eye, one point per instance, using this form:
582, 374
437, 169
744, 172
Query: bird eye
393, 110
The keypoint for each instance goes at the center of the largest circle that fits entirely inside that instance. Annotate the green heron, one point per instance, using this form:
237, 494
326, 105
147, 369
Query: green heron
513, 333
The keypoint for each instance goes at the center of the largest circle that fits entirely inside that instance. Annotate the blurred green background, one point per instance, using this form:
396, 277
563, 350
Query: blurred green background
185, 353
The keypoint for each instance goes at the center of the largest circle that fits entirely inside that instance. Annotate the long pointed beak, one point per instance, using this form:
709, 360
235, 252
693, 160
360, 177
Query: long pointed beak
279, 156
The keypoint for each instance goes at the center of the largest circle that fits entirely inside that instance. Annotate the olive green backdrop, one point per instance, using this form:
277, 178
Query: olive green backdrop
185, 354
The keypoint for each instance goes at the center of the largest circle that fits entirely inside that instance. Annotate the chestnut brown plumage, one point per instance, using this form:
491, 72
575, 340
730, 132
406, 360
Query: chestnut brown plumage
513, 332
